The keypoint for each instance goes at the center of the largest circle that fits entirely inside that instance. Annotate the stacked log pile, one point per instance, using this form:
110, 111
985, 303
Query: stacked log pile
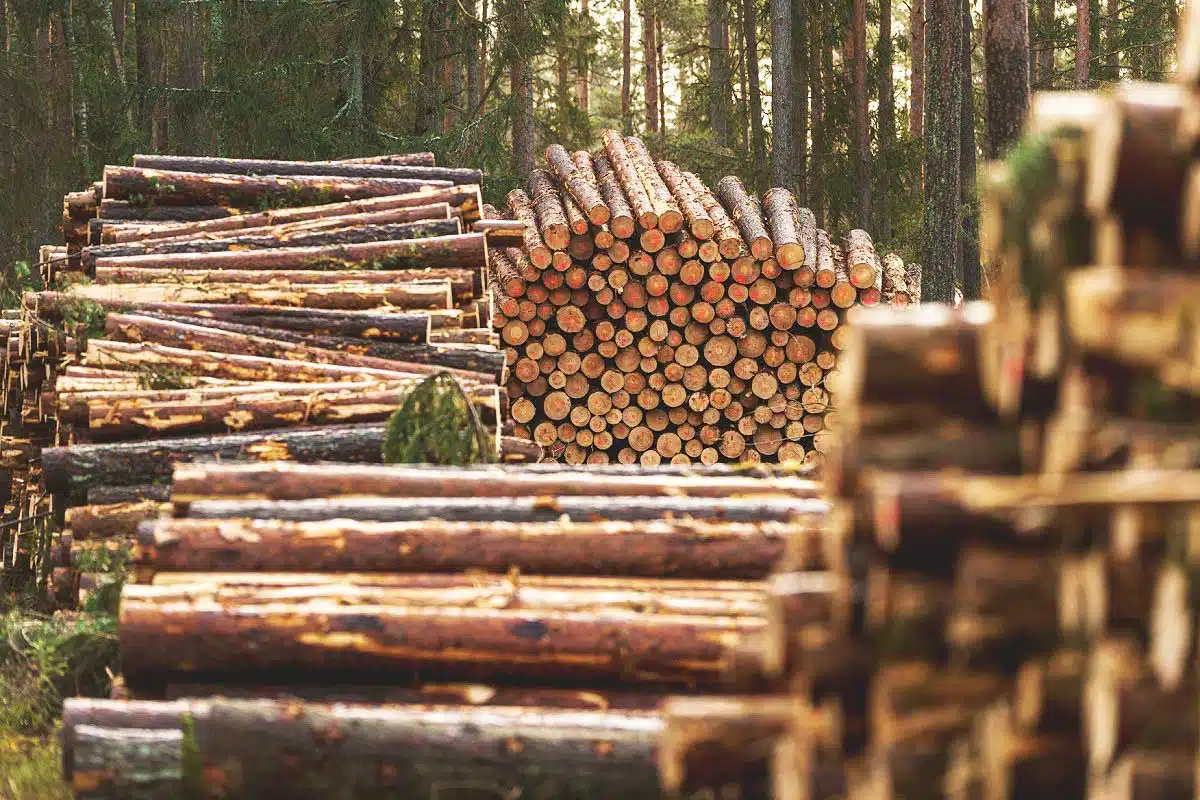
648, 318
495, 631
237, 310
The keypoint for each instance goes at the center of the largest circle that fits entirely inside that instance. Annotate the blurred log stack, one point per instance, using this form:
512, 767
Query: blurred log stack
233, 309
650, 319
418, 632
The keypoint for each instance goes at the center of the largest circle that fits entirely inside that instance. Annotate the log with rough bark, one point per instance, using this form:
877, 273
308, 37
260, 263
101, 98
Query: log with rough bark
548, 204
355, 230
862, 265
256, 166
744, 210
174, 188
136, 463
125, 211
783, 219
581, 185
622, 220
670, 219
291, 482
464, 200
398, 159
629, 179
415, 296
118, 519
700, 224
895, 281
453, 509
522, 209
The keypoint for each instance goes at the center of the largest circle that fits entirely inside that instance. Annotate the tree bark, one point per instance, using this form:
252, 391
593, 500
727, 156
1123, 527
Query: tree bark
758, 143
942, 221
860, 112
783, 149
887, 121
800, 84
429, 295
916, 100
582, 88
719, 81
135, 463
1083, 44
972, 273
1112, 40
626, 67
523, 138
820, 148
164, 187
258, 167
652, 548
169, 749
650, 61
280, 482
1006, 67
124, 211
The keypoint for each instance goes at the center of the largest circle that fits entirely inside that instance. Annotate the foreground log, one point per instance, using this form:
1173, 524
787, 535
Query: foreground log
649, 548
174, 188
465, 200
416, 296
260, 748
517, 509
124, 211
355, 640
258, 166
107, 521
135, 463
291, 482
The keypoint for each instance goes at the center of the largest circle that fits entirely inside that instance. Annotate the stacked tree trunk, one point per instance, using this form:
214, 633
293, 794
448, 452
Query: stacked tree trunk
650, 319
513, 629
288, 326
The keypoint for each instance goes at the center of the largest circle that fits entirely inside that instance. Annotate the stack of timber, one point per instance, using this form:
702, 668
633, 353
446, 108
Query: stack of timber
648, 318
234, 309
387, 631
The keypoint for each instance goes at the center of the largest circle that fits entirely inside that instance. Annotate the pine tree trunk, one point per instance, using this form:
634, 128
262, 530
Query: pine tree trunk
758, 143
585, 59
1006, 64
472, 44
887, 120
1045, 44
782, 149
816, 83
626, 67
942, 222
971, 271
428, 118
650, 60
860, 112
718, 70
1112, 40
800, 80
1083, 44
660, 62
523, 136
916, 100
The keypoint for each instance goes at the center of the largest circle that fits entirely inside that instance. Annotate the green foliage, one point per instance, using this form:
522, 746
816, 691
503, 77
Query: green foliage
92, 316
161, 377
436, 425
20, 278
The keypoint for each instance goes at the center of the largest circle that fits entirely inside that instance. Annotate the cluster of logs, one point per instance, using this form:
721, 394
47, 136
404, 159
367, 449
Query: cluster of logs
650, 319
495, 631
183, 322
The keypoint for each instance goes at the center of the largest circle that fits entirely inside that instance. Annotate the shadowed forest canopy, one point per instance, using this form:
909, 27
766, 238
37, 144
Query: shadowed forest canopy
489, 83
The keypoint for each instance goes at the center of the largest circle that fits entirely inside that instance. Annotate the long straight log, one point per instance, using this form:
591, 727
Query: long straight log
262, 748
124, 211
582, 187
399, 159
744, 210
625, 170
290, 482
192, 336
621, 220
256, 166
462, 250
679, 549
174, 188
465, 284
416, 296
117, 519
137, 463
350, 640
517, 509
273, 239
465, 199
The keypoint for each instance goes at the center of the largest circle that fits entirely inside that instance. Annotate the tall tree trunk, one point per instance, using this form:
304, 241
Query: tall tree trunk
1083, 43
1006, 69
429, 101
451, 74
782, 149
800, 15
626, 66
523, 137
816, 82
484, 28
472, 46
758, 143
148, 23
943, 84
916, 99
79, 106
1112, 40
972, 278
829, 91
718, 70
660, 62
887, 122
861, 121
1045, 44
650, 59
585, 58
562, 87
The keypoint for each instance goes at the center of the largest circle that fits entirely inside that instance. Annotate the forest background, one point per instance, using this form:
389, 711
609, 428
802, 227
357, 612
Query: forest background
875, 112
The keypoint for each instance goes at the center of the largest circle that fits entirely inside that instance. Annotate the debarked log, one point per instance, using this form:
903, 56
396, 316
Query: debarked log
681, 549
262, 166
260, 748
